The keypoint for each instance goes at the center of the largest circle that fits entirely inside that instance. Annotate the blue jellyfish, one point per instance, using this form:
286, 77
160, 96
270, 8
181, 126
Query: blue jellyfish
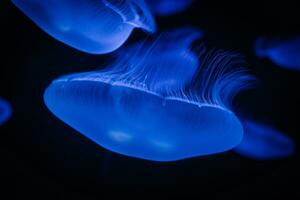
163, 52
92, 26
158, 101
263, 142
168, 7
285, 53
5, 111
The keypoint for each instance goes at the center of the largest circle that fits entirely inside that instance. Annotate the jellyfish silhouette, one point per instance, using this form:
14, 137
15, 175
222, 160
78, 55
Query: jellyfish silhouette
92, 26
168, 7
285, 53
263, 142
158, 101
5, 111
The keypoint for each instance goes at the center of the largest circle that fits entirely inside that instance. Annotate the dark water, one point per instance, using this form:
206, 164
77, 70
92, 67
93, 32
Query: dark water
43, 157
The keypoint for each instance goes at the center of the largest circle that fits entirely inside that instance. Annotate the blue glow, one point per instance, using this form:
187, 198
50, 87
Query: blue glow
169, 56
168, 7
92, 26
262, 142
5, 111
285, 53
161, 108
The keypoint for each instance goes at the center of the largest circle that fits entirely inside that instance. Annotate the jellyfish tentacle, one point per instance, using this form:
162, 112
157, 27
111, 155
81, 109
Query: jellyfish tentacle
92, 26
157, 103
220, 77
143, 61
133, 12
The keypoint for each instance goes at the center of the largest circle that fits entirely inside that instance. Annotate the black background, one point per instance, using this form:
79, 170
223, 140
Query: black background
42, 157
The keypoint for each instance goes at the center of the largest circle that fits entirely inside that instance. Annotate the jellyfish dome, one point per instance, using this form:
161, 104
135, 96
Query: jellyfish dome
5, 111
161, 108
263, 142
92, 26
168, 7
285, 53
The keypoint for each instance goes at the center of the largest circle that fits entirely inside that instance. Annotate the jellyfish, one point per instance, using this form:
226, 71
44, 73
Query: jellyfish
263, 142
162, 51
168, 7
92, 26
158, 100
5, 111
283, 52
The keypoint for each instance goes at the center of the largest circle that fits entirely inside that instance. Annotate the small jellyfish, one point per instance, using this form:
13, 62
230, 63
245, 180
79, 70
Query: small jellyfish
263, 142
168, 7
5, 111
92, 26
285, 53
158, 101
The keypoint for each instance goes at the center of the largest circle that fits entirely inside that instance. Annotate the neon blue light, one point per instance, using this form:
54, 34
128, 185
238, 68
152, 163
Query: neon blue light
92, 26
156, 101
168, 7
285, 53
263, 142
5, 111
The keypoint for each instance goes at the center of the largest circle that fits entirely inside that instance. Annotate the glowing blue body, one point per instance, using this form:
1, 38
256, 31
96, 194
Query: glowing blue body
5, 111
262, 142
168, 7
139, 123
285, 53
157, 111
93, 26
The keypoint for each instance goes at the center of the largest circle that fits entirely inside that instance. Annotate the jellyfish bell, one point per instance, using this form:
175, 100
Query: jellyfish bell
283, 52
92, 26
139, 123
122, 109
5, 111
263, 142
168, 7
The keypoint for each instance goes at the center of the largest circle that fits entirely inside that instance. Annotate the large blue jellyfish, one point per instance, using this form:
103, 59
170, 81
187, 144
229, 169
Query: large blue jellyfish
93, 26
262, 142
159, 101
285, 53
5, 111
168, 7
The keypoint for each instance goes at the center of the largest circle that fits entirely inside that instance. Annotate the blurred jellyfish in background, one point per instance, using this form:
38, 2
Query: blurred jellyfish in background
158, 101
285, 53
168, 7
5, 111
92, 26
263, 142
